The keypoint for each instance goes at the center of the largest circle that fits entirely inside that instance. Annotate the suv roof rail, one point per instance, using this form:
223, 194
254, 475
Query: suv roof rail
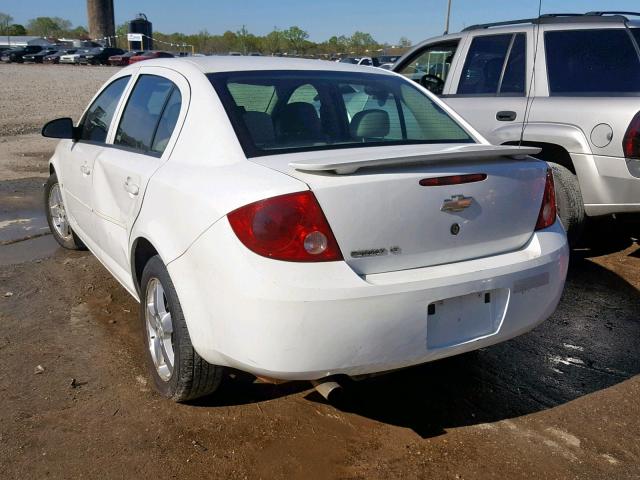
603, 16
613, 12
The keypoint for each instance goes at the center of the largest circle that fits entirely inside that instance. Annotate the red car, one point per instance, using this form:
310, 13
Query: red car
149, 55
123, 59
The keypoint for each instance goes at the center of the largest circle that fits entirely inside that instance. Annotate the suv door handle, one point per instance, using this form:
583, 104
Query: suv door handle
85, 169
506, 116
132, 188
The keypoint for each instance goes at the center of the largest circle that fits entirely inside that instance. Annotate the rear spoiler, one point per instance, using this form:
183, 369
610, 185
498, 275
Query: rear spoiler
459, 152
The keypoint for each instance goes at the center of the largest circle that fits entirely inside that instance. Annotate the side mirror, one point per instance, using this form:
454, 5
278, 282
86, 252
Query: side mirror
59, 128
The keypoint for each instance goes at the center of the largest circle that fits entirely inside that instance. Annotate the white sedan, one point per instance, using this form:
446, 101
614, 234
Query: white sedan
300, 219
72, 58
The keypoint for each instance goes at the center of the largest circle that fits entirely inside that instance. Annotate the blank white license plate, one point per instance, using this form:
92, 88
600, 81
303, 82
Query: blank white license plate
457, 320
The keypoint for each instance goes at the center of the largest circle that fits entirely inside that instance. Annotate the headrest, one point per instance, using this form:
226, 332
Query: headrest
299, 120
372, 123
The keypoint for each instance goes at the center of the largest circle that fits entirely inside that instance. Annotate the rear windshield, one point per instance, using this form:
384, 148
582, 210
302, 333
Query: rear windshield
276, 112
593, 62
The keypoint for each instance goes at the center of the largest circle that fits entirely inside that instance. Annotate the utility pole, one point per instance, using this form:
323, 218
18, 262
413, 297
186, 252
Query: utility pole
446, 23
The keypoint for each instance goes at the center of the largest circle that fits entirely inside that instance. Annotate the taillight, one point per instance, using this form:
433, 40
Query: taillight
547, 215
631, 140
289, 227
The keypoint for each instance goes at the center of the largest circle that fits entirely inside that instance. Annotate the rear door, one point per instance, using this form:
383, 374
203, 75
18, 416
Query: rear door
490, 91
79, 157
141, 142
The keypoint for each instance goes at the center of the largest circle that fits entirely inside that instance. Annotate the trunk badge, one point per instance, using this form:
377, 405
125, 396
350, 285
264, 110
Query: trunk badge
456, 203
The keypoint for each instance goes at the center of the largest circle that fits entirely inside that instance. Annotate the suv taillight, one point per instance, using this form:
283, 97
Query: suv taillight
631, 140
548, 211
289, 227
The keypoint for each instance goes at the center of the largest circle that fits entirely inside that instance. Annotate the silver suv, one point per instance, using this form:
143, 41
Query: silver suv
567, 83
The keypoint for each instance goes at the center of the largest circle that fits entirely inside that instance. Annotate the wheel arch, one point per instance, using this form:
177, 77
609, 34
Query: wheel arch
142, 251
551, 152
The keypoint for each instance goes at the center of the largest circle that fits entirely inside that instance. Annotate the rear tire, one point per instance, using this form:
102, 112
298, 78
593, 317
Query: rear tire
57, 216
178, 372
569, 202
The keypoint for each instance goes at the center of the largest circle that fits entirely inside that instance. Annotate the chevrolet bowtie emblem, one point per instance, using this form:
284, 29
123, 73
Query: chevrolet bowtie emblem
456, 203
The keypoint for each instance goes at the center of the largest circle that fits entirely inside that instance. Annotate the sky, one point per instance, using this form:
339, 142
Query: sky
386, 20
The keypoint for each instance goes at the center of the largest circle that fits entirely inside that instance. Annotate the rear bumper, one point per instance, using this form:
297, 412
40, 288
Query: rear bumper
608, 184
307, 321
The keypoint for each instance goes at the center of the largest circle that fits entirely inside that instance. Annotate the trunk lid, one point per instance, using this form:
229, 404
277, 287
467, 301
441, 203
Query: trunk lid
385, 220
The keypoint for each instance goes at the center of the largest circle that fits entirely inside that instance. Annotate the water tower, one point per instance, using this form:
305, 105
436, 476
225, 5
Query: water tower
141, 25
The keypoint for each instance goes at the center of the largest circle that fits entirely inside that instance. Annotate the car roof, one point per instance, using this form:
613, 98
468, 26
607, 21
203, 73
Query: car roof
225, 63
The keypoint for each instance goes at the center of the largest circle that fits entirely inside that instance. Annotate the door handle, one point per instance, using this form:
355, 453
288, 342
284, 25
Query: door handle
506, 116
85, 169
132, 188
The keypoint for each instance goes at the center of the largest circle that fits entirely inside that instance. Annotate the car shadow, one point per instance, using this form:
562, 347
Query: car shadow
589, 344
605, 235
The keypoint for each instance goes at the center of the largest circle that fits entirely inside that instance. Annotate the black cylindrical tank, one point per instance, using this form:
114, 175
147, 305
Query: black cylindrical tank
141, 25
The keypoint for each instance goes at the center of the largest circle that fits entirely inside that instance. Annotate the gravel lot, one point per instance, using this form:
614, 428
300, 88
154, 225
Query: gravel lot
559, 402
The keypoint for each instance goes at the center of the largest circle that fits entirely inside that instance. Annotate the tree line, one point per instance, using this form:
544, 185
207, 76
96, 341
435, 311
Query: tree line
293, 40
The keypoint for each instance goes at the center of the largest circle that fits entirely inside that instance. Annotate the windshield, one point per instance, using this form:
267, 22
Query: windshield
288, 111
349, 60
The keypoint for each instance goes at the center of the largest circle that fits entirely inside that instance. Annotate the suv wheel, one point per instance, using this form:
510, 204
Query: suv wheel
569, 202
57, 216
178, 372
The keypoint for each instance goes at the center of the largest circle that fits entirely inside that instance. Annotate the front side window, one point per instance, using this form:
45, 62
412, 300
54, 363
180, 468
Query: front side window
495, 64
95, 124
431, 66
150, 99
324, 110
592, 62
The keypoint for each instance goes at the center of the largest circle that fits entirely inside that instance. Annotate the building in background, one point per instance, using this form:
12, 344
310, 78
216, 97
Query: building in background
9, 41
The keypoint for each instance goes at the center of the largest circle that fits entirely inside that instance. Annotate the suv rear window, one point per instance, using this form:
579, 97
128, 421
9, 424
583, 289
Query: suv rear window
592, 62
276, 112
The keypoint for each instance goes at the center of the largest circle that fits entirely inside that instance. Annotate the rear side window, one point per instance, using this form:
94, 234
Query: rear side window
95, 124
151, 98
495, 64
592, 62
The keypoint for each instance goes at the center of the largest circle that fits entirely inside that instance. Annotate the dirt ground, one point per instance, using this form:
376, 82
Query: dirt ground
75, 401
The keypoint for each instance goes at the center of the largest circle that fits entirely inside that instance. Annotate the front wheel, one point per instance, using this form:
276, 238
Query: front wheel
569, 202
178, 372
57, 216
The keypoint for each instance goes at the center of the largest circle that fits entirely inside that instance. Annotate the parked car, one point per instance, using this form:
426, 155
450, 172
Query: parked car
16, 54
583, 110
39, 56
74, 58
366, 61
150, 55
122, 59
99, 55
353, 223
382, 59
54, 58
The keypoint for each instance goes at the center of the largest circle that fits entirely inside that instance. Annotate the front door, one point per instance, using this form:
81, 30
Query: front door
141, 143
79, 157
